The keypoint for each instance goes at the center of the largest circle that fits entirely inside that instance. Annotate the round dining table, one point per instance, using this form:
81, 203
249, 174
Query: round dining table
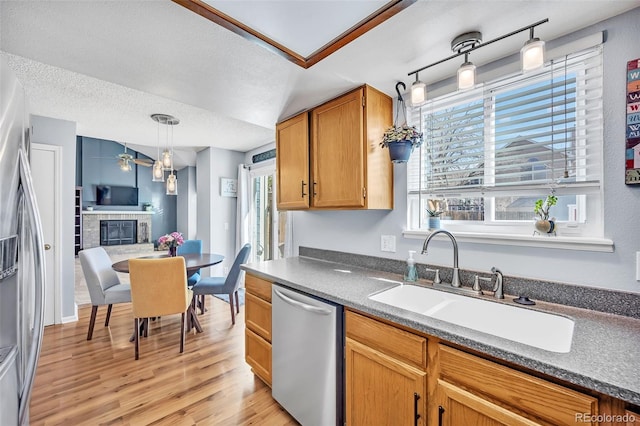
193, 262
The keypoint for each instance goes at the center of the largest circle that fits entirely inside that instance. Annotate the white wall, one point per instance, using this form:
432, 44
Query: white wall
359, 231
50, 131
216, 222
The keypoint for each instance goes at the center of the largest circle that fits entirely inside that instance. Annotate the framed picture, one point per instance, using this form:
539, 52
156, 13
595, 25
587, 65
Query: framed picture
632, 157
228, 187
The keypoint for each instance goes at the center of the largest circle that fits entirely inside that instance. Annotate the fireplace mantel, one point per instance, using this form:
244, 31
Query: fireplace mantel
110, 212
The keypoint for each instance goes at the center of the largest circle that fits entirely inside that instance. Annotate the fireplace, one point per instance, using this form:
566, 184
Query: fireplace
118, 232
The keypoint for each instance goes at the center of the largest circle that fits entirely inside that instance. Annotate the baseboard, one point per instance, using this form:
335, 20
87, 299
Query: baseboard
72, 318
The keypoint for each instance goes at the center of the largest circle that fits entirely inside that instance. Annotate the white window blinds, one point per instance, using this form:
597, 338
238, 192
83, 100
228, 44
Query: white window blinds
515, 135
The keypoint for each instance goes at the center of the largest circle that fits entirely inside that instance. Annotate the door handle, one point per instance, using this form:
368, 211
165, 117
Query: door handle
416, 416
47, 246
304, 306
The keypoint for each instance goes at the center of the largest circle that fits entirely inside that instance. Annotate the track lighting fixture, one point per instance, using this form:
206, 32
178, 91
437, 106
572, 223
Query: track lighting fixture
532, 57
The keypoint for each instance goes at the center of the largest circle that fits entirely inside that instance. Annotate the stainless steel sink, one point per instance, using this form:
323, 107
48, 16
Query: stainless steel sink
534, 328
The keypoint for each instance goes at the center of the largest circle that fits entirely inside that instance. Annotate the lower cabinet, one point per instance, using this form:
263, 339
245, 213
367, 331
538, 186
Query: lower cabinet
258, 326
386, 379
472, 390
390, 380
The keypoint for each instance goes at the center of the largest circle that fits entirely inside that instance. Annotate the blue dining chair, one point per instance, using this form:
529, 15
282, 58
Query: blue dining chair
225, 285
191, 246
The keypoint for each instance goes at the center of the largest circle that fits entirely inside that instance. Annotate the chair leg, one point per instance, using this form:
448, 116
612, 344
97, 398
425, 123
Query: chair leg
237, 303
202, 307
145, 325
233, 310
92, 321
106, 321
182, 333
136, 333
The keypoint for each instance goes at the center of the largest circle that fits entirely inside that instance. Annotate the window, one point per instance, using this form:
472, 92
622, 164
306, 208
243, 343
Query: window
489, 153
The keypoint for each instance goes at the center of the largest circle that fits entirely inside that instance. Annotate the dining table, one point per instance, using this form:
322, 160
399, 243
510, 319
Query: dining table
193, 262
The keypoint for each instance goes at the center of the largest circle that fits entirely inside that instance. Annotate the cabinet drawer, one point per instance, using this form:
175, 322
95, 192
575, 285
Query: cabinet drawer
258, 316
387, 339
548, 401
258, 287
258, 355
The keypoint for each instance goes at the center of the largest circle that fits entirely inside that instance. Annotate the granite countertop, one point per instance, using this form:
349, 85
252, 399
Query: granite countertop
604, 355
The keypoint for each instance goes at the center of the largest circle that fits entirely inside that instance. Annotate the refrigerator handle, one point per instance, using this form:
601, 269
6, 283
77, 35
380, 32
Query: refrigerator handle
309, 308
33, 216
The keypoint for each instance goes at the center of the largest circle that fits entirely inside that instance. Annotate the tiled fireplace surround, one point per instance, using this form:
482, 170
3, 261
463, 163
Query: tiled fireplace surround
91, 225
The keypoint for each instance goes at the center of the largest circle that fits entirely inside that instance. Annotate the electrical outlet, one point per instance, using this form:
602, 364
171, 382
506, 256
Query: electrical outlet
388, 243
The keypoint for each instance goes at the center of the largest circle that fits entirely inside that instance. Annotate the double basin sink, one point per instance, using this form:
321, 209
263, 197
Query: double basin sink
534, 328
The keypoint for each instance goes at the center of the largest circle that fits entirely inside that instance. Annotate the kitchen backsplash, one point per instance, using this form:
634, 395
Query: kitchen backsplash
597, 299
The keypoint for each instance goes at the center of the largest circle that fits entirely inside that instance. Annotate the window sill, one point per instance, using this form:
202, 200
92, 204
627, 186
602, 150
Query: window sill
564, 243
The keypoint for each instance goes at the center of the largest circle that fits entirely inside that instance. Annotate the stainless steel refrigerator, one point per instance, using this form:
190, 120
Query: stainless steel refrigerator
21, 257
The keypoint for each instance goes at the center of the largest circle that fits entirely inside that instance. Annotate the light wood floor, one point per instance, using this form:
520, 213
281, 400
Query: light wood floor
80, 382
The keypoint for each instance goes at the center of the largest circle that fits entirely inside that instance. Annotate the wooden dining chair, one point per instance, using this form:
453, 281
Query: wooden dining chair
159, 288
225, 285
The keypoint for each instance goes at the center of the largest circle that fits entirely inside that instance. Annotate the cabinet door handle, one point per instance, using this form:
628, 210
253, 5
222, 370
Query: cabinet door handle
314, 189
440, 413
303, 185
416, 415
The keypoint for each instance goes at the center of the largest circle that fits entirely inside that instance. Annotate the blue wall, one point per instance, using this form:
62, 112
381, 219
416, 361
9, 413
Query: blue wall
97, 165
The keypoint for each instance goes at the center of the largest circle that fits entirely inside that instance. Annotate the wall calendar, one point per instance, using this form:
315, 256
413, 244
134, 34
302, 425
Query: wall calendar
632, 156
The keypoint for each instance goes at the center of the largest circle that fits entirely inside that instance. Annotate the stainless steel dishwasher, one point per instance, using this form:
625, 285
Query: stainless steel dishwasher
307, 357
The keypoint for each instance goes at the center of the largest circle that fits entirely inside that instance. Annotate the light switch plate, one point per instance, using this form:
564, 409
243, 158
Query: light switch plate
388, 243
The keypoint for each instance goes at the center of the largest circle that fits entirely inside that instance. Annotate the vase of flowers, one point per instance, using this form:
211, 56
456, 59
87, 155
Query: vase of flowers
544, 225
401, 140
171, 242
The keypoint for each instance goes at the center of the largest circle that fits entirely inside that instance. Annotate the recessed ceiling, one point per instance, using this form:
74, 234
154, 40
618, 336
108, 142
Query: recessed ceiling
304, 32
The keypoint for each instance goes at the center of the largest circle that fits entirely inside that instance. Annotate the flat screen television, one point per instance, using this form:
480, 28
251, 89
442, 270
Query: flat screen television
109, 195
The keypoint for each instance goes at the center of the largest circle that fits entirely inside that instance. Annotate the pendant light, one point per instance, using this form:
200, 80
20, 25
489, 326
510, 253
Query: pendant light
157, 170
172, 180
462, 45
418, 92
532, 53
165, 162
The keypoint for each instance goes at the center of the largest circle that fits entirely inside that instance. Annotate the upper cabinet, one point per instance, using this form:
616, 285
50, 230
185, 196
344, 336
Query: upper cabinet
292, 163
337, 163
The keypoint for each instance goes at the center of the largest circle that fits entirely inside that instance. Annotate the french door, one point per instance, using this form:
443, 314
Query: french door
269, 228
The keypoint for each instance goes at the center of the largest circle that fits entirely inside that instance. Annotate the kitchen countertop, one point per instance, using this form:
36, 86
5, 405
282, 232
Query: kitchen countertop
604, 355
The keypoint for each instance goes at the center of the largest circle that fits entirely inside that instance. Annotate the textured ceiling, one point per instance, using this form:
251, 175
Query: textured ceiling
109, 65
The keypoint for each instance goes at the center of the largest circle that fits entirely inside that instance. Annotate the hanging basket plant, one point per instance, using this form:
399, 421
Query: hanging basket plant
401, 139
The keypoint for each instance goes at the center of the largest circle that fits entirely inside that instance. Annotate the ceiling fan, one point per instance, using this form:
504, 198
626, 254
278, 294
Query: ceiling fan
124, 160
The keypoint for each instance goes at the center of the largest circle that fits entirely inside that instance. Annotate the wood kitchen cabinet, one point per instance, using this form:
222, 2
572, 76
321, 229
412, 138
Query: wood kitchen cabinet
386, 380
258, 326
387, 369
292, 163
472, 390
343, 166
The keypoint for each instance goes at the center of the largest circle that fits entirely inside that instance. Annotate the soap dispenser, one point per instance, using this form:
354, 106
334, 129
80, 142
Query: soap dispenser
411, 273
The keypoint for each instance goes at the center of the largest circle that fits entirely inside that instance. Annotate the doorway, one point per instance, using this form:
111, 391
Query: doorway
269, 228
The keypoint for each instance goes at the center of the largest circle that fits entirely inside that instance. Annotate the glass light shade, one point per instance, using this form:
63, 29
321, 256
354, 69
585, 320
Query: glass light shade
466, 76
125, 166
166, 159
532, 54
418, 93
172, 184
158, 172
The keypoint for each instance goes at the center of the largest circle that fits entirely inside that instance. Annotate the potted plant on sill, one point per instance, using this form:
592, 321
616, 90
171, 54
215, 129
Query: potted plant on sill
401, 140
434, 210
541, 208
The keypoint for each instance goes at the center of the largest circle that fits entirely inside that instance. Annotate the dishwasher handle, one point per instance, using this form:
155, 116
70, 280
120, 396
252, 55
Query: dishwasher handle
308, 308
